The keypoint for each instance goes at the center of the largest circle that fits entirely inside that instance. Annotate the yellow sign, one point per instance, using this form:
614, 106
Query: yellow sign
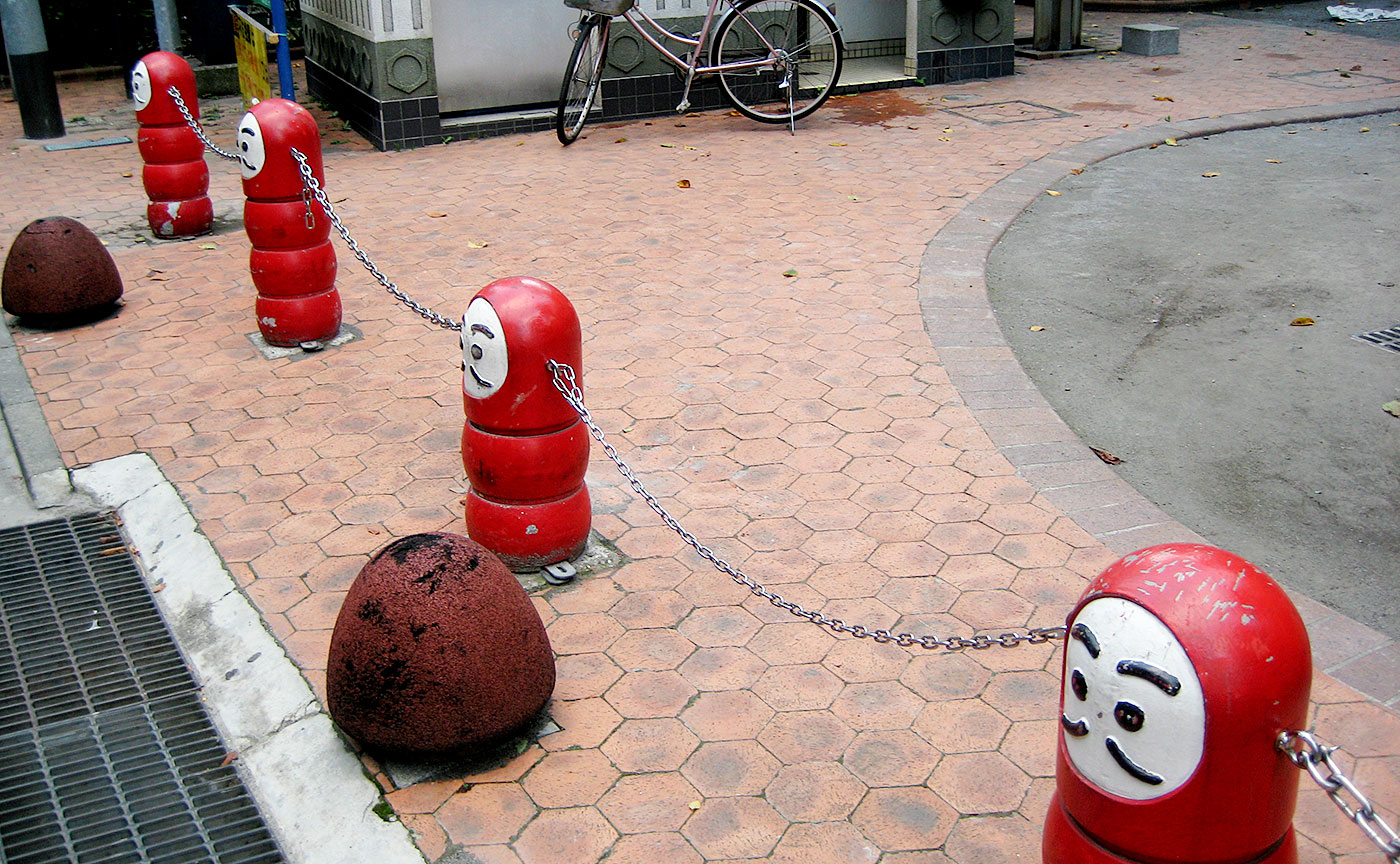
250, 40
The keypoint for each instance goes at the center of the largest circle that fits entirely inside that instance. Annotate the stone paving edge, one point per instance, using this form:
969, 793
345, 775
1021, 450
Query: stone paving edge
310, 787
1045, 452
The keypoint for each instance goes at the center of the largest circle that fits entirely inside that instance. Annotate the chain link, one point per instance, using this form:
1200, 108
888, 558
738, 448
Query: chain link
314, 189
194, 124
1305, 751
566, 383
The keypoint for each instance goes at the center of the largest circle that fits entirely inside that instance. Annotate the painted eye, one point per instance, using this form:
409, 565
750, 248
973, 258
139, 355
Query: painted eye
1128, 715
1079, 685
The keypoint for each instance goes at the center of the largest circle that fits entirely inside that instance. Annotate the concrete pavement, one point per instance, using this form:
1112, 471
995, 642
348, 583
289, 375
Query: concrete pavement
850, 435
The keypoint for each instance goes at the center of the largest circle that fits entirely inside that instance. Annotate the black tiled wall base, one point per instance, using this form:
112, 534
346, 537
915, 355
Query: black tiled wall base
962, 64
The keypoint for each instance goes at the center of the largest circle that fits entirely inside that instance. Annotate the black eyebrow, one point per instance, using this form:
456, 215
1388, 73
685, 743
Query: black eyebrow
484, 330
1085, 635
248, 129
1168, 682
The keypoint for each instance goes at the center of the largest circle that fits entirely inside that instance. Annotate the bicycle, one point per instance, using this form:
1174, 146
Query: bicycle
777, 60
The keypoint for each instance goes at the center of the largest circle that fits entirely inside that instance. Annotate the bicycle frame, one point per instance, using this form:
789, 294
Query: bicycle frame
697, 43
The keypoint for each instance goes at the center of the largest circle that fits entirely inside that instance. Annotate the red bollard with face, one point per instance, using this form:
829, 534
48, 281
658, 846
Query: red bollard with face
1183, 664
174, 174
523, 445
292, 262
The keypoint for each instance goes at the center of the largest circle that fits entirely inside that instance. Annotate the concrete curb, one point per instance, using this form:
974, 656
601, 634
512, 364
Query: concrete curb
39, 459
311, 788
1043, 449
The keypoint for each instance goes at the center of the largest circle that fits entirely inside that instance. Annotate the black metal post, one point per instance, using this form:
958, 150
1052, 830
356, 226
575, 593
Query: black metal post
30, 72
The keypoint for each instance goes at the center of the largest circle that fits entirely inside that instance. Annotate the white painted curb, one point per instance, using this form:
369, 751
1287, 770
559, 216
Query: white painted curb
310, 787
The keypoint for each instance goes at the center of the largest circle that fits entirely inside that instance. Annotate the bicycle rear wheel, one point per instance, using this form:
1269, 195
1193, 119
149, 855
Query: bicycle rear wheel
585, 72
801, 47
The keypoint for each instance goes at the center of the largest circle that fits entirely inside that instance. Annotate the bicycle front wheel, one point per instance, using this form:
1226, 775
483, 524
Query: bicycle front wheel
581, 80
790, 51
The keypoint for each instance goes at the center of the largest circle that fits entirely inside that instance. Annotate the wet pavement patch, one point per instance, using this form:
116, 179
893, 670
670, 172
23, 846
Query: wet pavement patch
106, 749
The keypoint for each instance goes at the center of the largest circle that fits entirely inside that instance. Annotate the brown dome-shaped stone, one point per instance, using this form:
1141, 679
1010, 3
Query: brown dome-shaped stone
436, 649
57, 269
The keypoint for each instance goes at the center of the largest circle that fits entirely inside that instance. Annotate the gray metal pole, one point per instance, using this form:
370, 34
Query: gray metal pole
30, 72
167, 26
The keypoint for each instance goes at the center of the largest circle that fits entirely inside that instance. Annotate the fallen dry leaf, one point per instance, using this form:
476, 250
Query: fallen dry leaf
1274, 161
436, 214
473, 244
1171, 142
1106, 456
1076, 170
1163, 99
1211, 174
620, 141
790, 273
229, 758
1365, 128
835, 144
1053, 193
208, 246
1036, 328
1392, 408
694, 805
1301, 322
669, 146
127, 174
683, 184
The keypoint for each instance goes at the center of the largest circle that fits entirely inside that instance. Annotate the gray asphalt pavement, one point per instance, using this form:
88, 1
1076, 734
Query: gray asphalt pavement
1166, 280
1312, 16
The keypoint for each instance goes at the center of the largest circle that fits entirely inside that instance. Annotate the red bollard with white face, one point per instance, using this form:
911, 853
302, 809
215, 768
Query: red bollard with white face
292, 262
174, 174
1183, 663
523, 445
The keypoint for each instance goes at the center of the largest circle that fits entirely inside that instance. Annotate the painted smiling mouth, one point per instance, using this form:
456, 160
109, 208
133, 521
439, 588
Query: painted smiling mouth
482, 381
1077, 728
1137, 771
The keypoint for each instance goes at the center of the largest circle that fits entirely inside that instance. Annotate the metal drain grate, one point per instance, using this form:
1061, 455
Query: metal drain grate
1389, 338
105, 748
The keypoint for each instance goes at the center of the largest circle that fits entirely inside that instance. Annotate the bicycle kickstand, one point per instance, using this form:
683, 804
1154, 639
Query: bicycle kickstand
685, 95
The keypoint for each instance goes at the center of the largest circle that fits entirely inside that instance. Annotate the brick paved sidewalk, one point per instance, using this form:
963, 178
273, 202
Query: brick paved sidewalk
803, 426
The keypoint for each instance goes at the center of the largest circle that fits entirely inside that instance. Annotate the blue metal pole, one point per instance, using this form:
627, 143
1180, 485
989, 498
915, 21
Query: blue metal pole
284, 50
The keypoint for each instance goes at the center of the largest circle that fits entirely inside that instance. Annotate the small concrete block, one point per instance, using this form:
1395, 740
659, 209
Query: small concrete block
1150, 40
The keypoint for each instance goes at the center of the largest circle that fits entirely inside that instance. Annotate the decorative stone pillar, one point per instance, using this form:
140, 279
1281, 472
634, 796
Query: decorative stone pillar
962, 39
372, 61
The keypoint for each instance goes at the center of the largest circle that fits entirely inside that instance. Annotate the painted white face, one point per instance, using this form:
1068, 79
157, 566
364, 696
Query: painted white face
484, 360
1134, 719
141, 85
252, 153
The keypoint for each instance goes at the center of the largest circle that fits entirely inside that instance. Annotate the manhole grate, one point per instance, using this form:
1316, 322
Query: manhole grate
105, 747
1389, 338
81, 633
144, 783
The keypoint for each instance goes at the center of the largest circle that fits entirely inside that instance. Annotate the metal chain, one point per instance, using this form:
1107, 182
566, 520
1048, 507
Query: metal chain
567, 385
315, 190
194, 124
1305, 751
